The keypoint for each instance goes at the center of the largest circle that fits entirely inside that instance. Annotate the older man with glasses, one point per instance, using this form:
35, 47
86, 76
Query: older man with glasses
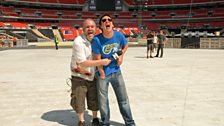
105, 45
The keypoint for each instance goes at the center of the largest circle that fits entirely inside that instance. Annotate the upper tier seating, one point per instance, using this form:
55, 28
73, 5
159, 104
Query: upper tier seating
58, 1
48, 1
161, 2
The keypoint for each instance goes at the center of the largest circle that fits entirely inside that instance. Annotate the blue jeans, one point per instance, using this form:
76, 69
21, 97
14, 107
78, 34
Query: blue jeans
118, 85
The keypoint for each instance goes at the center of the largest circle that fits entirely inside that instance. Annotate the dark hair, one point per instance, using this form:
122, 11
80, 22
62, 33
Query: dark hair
102, 18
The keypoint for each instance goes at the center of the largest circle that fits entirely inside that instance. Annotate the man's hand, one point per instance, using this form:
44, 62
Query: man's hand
80, 70
102, 74
105, 62
120, 60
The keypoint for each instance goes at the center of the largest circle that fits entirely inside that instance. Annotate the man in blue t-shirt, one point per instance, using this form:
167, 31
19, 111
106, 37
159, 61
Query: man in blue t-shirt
106, 45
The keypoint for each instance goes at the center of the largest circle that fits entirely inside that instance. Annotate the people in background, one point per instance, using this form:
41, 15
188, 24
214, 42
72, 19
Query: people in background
14, 41
2, 43
149, 44
162, 39
56, 41
155, 40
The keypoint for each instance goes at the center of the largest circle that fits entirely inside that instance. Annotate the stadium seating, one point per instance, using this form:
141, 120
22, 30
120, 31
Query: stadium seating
165, 2
159, 2
58, 1
69, 33
66, 20
48, 1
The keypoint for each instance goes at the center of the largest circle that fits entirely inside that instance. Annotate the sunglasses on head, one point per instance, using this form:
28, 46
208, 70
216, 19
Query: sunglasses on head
105, 19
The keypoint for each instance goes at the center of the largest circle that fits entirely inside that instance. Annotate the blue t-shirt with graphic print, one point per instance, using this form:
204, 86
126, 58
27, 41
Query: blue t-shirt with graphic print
106, 47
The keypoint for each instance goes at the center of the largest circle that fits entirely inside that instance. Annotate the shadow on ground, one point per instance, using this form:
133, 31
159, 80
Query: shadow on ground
144, 57
69, 117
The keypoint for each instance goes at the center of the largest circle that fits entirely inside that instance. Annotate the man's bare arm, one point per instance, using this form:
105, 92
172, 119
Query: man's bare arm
90, 63
100, 68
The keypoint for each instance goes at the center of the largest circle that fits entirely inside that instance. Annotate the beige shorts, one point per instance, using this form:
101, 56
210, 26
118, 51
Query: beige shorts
82, 89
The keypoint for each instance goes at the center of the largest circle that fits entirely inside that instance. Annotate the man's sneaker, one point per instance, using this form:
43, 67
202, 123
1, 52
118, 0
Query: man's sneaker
81, 123
95, 122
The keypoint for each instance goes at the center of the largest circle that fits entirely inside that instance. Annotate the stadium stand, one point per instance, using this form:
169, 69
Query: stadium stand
64, 18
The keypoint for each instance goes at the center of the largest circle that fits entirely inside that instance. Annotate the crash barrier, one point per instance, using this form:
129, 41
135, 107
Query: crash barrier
21, 43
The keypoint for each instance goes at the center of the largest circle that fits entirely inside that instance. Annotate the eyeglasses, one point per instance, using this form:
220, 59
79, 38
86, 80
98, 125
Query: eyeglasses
104, 20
